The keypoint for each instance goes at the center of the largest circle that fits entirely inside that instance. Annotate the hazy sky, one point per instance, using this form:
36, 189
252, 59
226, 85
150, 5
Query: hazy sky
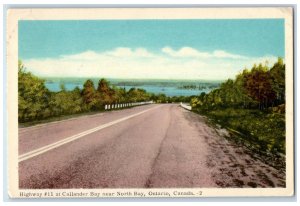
166, 49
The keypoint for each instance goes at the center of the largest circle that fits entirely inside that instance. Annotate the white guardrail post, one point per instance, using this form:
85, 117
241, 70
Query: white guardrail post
188, 107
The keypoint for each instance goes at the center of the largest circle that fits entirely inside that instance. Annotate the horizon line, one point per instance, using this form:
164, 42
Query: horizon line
115, 78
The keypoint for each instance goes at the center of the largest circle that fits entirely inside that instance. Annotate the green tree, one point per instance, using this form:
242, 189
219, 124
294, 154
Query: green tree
106, 94
242, 97
259, 86
66, 102
33, 96
277, 73
120, 95
161, 98
89, 94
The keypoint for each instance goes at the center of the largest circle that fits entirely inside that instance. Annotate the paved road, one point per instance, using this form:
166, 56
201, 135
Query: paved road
148, 146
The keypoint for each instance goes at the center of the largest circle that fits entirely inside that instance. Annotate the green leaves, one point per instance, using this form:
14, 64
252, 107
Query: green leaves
259, 88
36, 102
88, 93
253, 104
258, 84
32, 94
259, 128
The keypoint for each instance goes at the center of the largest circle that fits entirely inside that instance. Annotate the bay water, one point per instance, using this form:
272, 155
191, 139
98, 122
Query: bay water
156, 86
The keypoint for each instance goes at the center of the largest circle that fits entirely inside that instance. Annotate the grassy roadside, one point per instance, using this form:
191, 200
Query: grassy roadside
65, 117
57, 118
261, 132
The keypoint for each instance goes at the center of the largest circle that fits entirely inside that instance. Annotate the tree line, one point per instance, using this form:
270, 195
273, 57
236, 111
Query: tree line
261, 87
252, 105
37, 102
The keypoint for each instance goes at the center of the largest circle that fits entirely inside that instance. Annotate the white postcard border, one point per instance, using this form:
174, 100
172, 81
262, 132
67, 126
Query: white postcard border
14, 15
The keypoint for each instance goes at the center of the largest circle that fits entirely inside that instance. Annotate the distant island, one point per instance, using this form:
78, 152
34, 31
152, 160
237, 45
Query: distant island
203, 86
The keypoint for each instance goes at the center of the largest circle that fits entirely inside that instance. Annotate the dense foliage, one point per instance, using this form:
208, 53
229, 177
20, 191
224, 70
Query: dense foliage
36, 102
253, 104
33, 96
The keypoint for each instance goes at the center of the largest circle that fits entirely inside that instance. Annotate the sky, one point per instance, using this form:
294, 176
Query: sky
149, 49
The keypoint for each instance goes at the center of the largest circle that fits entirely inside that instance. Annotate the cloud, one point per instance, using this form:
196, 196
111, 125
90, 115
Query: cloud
84, 56
184, 63
185, 52
128, 52
194, 53
119, 52
223, 54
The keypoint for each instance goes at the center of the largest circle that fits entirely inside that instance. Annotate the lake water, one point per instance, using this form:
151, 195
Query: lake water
168, 87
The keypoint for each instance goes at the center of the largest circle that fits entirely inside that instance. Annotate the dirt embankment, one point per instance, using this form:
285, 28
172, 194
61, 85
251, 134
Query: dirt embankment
233, 165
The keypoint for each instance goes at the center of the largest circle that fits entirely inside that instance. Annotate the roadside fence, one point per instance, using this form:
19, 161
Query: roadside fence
124, 105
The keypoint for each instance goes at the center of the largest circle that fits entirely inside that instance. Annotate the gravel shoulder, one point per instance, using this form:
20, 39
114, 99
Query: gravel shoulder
233, 165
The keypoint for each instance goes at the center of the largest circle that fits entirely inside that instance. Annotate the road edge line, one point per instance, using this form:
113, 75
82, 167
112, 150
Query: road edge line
41, 150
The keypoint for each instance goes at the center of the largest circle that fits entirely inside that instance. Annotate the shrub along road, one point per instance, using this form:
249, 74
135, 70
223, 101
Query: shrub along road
142, 147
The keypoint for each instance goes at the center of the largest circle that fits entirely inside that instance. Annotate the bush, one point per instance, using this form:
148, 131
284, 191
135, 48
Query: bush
261, 128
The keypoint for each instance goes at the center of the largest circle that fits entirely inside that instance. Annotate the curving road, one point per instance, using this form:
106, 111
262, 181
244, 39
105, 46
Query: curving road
147, 146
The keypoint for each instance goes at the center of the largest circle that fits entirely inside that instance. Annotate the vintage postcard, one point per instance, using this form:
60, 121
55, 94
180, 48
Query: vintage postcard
150, 102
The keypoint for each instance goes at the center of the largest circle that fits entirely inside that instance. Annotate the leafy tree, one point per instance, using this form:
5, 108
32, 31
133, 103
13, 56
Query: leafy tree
120, 95
195, 102
33, 96
161, 98
106, 94
103, 86
89, 94
240, 91
66, 102
277, 73
259, 86
138, 95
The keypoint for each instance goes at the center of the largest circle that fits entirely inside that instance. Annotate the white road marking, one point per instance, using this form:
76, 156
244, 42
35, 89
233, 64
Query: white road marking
38, 126
54, 145
29, 129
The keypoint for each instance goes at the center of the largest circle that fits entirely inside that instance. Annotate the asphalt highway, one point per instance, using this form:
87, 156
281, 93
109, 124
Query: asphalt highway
151, 146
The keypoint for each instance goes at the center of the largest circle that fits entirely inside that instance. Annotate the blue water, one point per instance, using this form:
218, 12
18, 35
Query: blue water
167, 87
